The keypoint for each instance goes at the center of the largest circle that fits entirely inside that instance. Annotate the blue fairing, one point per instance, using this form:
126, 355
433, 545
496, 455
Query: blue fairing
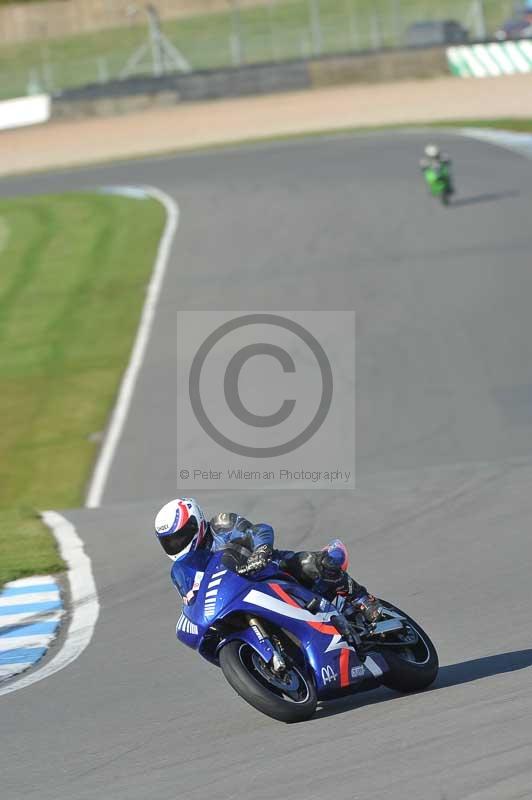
218, 594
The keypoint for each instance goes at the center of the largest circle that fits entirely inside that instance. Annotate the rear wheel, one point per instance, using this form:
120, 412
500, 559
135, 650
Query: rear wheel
413, 661
289, 698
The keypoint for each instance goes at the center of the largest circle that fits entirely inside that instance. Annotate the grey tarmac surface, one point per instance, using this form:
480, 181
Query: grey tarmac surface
440, 521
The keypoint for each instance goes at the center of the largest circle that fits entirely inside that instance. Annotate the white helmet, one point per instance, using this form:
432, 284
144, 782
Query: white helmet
180, 526
432, 151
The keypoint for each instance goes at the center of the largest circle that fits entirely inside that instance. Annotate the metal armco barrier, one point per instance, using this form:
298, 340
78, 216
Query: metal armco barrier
490, 60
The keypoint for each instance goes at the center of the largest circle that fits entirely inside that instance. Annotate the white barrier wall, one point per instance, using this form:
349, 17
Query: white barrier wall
24, 111
485, 60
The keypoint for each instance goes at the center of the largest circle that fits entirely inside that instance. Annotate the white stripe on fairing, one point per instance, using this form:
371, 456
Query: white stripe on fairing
27, 599
127, 386
30, 581
212, 593
215, 583
185, 625
260, 599
37, 640
374, 668
217, 574
84, 602
8, 620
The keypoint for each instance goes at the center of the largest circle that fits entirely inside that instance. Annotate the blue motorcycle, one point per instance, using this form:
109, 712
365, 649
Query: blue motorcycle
283, 649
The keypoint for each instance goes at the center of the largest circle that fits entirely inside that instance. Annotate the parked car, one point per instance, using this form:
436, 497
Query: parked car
518, 27
433, 32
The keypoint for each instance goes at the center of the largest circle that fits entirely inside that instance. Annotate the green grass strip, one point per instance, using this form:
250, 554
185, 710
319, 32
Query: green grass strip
518, 125
73, 275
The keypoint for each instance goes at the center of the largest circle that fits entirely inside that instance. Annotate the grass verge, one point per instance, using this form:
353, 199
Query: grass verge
74, 270
503, 124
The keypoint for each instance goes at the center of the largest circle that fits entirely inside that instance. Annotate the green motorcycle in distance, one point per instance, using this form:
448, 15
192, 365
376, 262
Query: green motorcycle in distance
439, 181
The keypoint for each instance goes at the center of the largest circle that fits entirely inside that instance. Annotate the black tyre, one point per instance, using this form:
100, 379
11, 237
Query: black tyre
445, 197
414, 666
293, 699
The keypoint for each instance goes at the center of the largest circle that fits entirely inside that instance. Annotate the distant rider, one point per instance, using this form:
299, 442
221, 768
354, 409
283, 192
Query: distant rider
434, 159
188, 539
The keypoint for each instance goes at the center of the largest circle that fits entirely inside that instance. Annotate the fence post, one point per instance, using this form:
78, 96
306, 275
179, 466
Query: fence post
376, 36
352, 25
480, 19
33, 86
398, 22
102, 69
237, 46
315, 26
273, 37
48, 74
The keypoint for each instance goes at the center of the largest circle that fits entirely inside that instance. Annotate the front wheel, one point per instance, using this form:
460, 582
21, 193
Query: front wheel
288, 698
414, 664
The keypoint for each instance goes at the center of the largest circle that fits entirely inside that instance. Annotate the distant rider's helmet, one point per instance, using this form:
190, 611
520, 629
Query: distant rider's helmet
432, 151
180, 526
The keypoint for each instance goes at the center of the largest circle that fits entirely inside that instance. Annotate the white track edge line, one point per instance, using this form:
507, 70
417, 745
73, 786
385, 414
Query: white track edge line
84, 602
513, 141
127, 386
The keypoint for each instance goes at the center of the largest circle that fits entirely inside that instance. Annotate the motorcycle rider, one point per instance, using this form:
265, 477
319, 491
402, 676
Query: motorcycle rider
434, 158
185, 534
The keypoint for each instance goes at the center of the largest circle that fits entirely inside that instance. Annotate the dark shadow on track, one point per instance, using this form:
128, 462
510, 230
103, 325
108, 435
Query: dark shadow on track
485, 198
450, 675
467, 671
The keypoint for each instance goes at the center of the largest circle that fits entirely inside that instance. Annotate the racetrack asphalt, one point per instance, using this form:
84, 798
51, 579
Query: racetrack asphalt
439, 523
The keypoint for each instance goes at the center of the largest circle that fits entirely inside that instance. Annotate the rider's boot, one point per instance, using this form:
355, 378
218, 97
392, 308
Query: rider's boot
325, 572
336, 581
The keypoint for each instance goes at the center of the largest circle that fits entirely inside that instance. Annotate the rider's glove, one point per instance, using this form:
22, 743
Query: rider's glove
257, 560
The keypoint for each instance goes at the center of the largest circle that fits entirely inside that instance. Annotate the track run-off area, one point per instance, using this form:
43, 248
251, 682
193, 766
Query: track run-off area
439, 523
